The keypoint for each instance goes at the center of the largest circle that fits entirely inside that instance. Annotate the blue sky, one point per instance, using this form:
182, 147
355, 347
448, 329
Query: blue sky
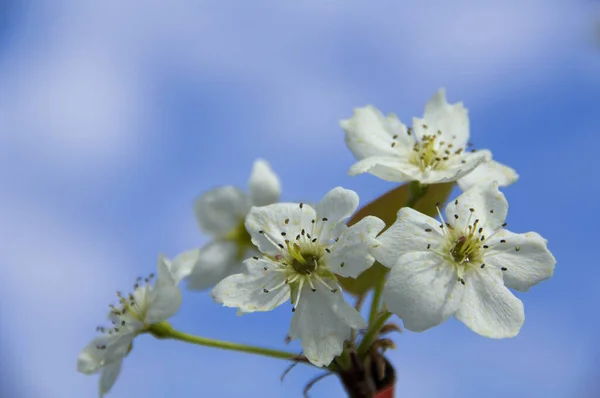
114, 117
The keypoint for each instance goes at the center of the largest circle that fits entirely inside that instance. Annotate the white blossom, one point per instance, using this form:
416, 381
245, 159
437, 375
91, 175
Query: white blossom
435, 149
221, 212
462, 265
302, 250
146, 305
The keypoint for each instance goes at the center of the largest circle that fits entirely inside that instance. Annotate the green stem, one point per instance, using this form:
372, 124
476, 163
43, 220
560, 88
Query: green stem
372, 334
376, 299
163, 330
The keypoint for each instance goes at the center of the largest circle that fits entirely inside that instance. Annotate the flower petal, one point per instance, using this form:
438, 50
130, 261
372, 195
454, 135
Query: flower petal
114, 347
166, 302
221, 210
395, 169
423, 290
369, 133
246, 290
216, 261
165, 277
451, 120
487, 172
183, 264
108, 377
264, 184
323, 321
525, 256
335, 207
265, 224
350, 256
411, 232
454, 170
488, 307
489, 207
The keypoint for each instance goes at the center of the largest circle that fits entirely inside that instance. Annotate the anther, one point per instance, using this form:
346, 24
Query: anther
308, 235
482, 266
492, 211
333, 290
427, 229
280, 245
287, 221
482, 238
395, 136
456, 202
429, 245
327, 250
504, 225
325, 219
303, 232
342, 264
472, 210
265, 290
456, 216
255, 257
393, 144
283, 234
517, 248
265, 268
485, 246
301, 205
314, 240
313, 289
504, 269
502, 240
261, 232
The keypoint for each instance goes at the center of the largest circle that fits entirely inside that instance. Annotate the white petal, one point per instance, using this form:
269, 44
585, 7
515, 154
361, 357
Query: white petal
91, 359
369, 133
489, 207
246, 290
488, 307
216, 261
455, 170
108, 377
411, 232
165, 303
221, 210
265, 224
423, 290
395, 169
353, 248
323, 321
264, 184
530, 265
183, 265
451, 120
488, 172
165, 277
336, 206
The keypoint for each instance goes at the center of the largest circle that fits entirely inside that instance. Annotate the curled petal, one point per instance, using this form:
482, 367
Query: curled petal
108, 377
488, 172
395, 169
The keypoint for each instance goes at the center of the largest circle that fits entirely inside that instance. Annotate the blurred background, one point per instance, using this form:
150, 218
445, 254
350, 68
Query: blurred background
115, 115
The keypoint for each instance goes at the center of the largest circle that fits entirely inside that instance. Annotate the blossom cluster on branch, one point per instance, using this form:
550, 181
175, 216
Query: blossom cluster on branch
265, 253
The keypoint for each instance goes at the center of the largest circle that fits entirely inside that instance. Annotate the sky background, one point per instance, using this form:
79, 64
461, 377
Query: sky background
115, 115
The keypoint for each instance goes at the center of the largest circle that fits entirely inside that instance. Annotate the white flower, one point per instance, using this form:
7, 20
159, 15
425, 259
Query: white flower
462, 266
303, 249
221, 213
146, 305
434, 150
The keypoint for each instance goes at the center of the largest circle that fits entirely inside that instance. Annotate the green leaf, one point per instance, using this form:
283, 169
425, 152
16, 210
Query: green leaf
386, 207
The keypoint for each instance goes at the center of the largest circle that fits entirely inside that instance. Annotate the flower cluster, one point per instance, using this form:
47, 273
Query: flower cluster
264, 253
